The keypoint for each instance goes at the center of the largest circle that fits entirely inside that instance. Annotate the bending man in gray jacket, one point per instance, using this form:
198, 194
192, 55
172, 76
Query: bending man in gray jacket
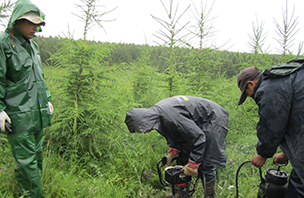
195, 129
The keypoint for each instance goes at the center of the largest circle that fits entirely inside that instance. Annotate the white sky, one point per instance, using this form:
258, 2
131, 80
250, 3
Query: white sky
134, 24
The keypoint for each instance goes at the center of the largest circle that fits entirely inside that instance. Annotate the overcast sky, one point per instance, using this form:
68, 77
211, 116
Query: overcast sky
233, 20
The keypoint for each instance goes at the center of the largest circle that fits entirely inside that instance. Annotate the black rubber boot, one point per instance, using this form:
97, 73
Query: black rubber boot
210, 191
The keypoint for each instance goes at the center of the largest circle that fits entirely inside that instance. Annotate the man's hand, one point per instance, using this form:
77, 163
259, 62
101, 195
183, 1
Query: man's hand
258, 161
171, 154
191, 168
4, 117
50, 107
280, 158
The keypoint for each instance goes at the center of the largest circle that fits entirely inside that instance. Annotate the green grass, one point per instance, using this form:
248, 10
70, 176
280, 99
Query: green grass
121, 175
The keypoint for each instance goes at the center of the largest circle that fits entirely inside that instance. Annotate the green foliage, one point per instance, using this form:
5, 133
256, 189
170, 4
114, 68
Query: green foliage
169, 37
91, 16
82, 100
212, 61
286, 32
142, 78
125, 156
88, 149
8, 184
5, 7
47, 47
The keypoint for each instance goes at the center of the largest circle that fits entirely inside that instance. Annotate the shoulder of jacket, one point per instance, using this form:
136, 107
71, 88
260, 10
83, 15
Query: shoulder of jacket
4, 40
285, 69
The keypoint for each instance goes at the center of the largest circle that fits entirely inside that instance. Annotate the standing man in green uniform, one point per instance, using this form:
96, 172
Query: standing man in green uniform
24, 98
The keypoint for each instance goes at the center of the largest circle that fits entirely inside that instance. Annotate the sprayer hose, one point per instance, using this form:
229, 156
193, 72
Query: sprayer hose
236, 178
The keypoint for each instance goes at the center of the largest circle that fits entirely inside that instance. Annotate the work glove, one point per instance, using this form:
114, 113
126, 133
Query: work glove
171, 154
50, 107
191, 168
4, 117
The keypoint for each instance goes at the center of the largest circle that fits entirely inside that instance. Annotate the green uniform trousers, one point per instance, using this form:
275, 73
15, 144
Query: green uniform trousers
27, 149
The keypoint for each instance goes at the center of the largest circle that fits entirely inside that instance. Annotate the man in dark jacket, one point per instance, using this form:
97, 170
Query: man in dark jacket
279, 93
24, 98
195, 129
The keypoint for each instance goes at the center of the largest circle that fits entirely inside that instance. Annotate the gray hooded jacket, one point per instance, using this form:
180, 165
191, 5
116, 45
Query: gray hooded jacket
190, 124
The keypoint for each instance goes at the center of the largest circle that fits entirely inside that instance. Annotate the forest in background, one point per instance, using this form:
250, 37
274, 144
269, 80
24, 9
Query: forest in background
126, 53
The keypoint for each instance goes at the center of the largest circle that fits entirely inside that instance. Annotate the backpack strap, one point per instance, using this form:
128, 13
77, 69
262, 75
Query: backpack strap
285, 69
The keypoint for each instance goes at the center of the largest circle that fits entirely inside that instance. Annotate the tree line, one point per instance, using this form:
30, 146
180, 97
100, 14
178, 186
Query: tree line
128, 53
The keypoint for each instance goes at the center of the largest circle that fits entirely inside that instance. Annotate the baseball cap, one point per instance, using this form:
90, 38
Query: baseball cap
246, 75
33, 17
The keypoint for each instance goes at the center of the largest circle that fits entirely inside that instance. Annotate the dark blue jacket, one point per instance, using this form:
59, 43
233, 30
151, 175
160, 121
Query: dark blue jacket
279, 93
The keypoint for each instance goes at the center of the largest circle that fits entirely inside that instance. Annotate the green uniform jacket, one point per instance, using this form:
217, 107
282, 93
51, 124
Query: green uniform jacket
23, 91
